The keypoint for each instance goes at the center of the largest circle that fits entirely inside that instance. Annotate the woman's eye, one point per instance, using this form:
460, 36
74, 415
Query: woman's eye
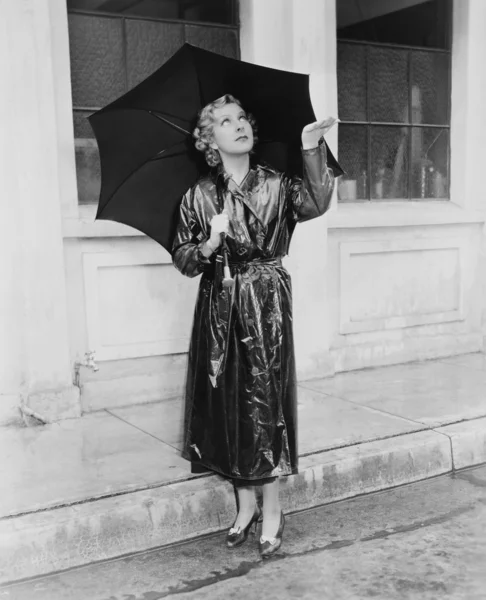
244, 118
224, 121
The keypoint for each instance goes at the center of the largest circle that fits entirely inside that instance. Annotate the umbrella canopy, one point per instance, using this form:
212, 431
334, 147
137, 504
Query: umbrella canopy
147, 156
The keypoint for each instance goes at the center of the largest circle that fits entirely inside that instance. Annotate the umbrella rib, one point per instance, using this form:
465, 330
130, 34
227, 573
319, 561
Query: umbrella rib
157, 116
159, 154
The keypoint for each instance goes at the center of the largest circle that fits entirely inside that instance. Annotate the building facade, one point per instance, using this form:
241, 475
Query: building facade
387, 280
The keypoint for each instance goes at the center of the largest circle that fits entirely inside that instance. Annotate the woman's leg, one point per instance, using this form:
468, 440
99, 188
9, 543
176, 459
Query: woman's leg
271, 509
246, 505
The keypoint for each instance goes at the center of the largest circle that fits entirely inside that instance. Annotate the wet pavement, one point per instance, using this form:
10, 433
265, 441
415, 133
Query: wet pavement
118, 484
423, 541
124, 449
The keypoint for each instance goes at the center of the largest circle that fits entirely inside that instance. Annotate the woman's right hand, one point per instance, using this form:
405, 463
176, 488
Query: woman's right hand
219, 225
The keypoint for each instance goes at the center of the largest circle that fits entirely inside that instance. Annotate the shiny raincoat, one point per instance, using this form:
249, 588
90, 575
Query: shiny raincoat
241, 394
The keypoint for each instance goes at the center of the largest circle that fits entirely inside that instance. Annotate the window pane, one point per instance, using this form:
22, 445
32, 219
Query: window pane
209, 11
149, 45
157, 9
353, 156
351, 73
88, 172
389, 162
388, 85
97, 65
214, 11
430, 87
424, 24
222, 41
430, 162
82, 128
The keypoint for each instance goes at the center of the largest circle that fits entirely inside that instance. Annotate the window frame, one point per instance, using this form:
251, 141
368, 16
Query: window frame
84, 141
124, 17
370, 123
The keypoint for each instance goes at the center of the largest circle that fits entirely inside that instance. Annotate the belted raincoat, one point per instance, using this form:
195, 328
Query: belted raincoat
241, 394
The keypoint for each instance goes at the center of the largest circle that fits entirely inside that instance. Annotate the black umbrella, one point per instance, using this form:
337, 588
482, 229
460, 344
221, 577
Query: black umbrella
144, 138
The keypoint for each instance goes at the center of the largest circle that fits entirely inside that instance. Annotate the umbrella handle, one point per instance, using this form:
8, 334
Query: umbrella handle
228, 281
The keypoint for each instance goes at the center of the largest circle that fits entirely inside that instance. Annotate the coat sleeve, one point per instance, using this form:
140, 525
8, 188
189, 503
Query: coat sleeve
309, 197
186, 249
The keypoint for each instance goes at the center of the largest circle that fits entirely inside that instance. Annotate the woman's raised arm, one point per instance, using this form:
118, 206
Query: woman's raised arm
310, 195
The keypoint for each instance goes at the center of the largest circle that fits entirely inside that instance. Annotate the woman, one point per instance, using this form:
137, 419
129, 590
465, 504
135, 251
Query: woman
240, 415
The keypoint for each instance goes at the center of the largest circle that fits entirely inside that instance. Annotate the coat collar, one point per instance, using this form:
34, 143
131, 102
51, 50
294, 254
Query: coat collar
254, 178
247, 191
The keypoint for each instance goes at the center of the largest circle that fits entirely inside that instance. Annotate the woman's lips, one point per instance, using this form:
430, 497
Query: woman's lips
242, 138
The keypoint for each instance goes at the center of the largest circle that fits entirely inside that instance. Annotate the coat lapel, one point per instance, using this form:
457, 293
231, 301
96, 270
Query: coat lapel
261, 205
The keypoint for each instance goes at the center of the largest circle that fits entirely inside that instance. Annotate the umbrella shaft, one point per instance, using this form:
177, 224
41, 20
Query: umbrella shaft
225, 252
228, 280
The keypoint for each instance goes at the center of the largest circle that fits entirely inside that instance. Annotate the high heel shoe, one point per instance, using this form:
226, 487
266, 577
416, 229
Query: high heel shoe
268, 546
237, 536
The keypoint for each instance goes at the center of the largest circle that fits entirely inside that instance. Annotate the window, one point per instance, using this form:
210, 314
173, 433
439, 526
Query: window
394, 99
115, 44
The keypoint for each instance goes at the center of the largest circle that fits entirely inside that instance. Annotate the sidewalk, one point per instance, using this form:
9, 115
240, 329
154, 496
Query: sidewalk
113, 483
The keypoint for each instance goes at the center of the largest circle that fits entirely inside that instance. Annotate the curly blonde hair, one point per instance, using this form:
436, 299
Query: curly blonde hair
203, 133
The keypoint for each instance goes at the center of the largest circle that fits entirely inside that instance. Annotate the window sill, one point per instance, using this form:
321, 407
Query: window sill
400, 214
357, 215
85, 226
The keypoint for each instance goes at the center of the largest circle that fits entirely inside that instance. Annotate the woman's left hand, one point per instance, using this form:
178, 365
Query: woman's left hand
312, 133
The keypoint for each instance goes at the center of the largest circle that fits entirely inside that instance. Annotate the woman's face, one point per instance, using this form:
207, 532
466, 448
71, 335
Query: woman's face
232, 133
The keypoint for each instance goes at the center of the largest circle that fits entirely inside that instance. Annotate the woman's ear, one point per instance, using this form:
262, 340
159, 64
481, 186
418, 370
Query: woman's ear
214, 146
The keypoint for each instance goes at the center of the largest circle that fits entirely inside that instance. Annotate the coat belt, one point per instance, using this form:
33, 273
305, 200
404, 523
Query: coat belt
244, 264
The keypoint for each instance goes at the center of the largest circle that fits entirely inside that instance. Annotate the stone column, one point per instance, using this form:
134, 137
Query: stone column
35, 370
468, 117
301, 36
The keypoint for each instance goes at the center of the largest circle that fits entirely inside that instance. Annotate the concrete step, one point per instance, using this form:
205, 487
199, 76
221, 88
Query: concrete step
113, 483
